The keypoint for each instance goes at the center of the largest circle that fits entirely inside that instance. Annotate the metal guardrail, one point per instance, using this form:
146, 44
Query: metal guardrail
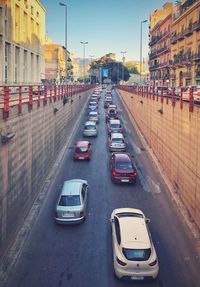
181, 95
18, 95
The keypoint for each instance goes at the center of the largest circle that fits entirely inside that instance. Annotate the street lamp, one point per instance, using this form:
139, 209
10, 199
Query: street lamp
123, 59
84, 43
66, 55
144, 21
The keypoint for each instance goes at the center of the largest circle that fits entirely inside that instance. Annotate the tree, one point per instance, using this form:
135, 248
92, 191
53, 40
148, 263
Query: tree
132, 68
115, 69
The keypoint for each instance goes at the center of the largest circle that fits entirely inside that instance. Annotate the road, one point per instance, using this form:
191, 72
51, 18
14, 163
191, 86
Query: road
81, 255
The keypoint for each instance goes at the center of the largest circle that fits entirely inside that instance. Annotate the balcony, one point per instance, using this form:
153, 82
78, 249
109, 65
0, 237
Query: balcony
154, 67
153, 55
196, 25
187, 75
165, 64
174, 39
181, 36
196, 56
154, 40
189, 30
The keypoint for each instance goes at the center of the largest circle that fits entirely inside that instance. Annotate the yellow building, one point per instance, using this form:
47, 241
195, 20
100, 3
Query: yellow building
22, 38
185, 49
55, 62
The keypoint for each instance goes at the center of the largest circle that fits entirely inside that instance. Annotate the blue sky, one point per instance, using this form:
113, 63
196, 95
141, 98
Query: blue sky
107, 25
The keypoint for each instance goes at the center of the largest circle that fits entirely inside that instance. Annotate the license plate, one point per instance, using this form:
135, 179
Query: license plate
125, 180
66, 214
137, 277
81, 158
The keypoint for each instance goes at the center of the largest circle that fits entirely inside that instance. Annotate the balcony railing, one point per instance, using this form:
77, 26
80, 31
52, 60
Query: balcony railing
187, 75
153, 55
174, 39
181, 35
196, 25
154, 67
196, 56
189, 30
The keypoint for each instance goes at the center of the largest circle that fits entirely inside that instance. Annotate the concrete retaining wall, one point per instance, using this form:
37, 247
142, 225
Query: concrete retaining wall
26, 160
174, 136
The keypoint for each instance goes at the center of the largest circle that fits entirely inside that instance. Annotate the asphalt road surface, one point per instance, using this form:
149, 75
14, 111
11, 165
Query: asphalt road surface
81, 255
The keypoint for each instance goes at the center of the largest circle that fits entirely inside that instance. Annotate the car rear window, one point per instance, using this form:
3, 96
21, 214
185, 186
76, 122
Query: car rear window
90, 127
115, 126
124, 165
81, 149
69, 200
137, 254
117, 140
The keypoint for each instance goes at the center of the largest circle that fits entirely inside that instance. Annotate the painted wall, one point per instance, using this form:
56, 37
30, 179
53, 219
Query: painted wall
174, 137
27, 159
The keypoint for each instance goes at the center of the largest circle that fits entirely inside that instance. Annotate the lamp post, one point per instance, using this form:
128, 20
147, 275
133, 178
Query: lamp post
66, 55
84, 43
123, 60
144, 21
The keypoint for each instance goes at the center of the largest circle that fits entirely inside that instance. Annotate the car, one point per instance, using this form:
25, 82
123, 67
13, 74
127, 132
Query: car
90, 129
114, 125
107, 102
111, 114
117, 142
82, 150
134, 254
122, 169
93, 116
93, 108
72, 203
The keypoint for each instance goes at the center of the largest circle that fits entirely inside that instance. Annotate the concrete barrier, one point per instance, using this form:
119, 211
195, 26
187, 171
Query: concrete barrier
30, 144
174, 137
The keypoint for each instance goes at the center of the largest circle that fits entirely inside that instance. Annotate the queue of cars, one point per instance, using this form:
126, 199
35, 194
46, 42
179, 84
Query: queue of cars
134, 255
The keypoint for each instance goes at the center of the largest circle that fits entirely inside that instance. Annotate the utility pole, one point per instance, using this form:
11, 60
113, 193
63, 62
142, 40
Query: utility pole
144, 21
84, 43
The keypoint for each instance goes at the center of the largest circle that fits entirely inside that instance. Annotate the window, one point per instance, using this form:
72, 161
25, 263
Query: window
17, 50
137, 254
124, 165
6, 71
32, 10
69, 200
117, 230
25, 66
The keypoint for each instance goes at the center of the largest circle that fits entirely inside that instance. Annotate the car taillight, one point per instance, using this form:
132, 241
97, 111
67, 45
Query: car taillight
133, 173
120, 262
115, 173
153, 263
81, 213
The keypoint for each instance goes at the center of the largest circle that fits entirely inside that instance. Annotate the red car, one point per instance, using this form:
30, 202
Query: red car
122, 169
82, 150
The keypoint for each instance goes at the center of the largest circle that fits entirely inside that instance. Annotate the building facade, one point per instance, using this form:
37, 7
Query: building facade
22, 37
55, 62
160, 45
185, 49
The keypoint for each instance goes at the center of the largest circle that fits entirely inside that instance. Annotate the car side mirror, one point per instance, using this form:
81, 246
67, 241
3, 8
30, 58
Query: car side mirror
111, 220
148, 220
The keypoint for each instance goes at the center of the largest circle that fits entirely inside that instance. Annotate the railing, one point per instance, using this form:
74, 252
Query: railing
173, 95
18, 95
196, 25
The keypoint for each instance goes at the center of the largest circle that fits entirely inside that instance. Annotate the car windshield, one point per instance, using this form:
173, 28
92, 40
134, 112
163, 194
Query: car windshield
124, 165
137, 254
118, 140
69, 200
81, 149
90, 127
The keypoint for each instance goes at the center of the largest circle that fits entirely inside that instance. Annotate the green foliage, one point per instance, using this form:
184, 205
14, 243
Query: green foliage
116, 69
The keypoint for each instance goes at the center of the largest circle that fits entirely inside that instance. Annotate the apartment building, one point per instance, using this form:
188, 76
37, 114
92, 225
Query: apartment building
22, 39
160, 45
55, 62
185, 44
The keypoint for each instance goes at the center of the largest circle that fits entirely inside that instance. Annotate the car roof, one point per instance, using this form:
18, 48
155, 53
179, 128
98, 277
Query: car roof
114, 121
134, 233
116, 135
122, 156
82, 143
72, 187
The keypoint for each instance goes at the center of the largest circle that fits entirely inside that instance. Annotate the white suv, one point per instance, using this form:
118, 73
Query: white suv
134, 255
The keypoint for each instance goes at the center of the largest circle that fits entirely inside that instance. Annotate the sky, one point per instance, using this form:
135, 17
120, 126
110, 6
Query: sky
109, 26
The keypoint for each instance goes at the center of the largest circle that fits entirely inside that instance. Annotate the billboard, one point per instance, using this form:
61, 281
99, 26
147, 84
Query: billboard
105, 73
